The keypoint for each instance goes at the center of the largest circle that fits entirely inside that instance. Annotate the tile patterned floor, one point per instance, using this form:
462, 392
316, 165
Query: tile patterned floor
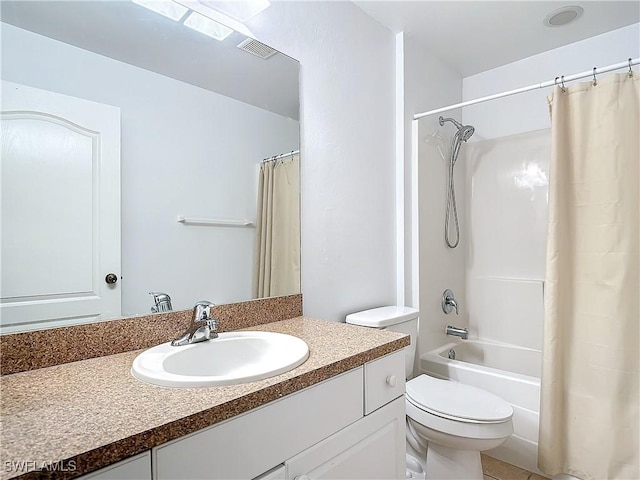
495, 469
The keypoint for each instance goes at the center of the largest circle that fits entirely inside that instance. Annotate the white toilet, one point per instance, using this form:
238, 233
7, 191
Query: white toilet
448, 423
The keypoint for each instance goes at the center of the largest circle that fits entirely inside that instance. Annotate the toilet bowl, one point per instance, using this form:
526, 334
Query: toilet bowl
448, 423
452, 423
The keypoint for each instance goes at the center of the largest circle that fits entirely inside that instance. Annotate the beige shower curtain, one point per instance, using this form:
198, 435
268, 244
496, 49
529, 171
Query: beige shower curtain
277, 248
589, 403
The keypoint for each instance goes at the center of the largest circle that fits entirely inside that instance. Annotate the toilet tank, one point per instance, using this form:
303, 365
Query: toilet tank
393, 318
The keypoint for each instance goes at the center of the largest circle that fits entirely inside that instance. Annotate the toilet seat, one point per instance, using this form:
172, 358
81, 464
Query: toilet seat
455, 434
456, 401
456, 414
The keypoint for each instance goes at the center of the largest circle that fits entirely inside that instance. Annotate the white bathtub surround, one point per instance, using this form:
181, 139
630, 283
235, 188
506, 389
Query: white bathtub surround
507, 221
508, 371
508, 310
591, 362
507, 206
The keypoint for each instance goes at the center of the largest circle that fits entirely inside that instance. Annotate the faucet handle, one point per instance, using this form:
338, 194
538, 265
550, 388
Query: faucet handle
202, 311
449, 302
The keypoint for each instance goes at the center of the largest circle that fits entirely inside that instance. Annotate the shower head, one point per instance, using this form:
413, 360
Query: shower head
464, 132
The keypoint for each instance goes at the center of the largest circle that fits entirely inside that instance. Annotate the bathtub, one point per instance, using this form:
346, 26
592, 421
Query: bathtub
509, 371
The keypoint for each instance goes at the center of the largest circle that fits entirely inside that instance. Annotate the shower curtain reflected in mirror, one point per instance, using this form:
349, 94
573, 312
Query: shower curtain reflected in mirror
277, 248
589, 402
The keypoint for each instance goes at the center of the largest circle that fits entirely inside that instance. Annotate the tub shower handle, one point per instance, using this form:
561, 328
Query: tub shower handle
449, 302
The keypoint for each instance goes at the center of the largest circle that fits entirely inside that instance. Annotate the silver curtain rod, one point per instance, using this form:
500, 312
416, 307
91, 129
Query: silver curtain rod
558, 80
284, 155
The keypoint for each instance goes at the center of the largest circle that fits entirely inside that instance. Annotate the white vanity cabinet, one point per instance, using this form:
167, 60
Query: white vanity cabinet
322, 431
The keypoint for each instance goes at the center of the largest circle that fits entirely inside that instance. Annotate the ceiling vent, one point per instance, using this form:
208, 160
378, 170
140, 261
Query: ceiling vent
259, 49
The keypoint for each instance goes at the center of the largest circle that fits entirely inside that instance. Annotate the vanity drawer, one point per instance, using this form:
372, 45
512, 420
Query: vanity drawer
384, 380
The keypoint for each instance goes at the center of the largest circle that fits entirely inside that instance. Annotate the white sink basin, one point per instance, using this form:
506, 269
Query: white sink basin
232, 358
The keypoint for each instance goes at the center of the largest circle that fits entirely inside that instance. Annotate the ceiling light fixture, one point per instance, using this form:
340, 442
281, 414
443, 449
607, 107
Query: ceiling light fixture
207, 26
241, 10
563, 16
169, 9
216, 16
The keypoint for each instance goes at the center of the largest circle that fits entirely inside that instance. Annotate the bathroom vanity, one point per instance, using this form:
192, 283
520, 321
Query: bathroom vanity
324, 431
340, 414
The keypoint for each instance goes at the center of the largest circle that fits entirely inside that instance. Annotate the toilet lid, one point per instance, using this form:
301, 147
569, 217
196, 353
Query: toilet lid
453, 399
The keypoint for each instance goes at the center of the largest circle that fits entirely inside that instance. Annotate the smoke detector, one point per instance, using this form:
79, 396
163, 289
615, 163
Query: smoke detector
563, 16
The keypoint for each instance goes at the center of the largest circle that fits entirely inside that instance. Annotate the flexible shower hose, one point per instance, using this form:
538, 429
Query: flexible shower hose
451, 196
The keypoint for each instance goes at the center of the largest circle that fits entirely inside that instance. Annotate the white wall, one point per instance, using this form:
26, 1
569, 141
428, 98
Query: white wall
179, 156
348, 151
429, 83
507, 193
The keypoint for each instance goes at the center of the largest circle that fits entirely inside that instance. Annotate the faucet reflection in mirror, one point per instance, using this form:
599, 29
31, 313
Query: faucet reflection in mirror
162, 302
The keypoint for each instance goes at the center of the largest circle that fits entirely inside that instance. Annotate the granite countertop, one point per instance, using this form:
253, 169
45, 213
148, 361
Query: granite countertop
81, 416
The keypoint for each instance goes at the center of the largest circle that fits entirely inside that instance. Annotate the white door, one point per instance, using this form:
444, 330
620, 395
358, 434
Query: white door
60, 223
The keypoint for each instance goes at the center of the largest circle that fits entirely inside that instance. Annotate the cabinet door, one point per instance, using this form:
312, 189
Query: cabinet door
134, 468
372, 448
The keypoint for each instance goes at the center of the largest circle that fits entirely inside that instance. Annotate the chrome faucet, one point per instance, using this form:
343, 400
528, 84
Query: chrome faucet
449, 302
463, 333
203, 327
162, 302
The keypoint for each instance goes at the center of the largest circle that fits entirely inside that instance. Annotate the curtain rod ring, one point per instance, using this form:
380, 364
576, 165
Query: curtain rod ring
562, 87
595, 81
630, 70
555, 81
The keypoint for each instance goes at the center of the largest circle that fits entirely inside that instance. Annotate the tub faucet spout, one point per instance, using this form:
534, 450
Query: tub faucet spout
463, 333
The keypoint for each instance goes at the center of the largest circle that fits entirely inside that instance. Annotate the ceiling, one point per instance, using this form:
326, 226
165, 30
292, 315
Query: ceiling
131, 34
470, 36
474, 36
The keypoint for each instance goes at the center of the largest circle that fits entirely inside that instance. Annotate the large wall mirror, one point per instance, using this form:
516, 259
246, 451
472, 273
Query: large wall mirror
190, 118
